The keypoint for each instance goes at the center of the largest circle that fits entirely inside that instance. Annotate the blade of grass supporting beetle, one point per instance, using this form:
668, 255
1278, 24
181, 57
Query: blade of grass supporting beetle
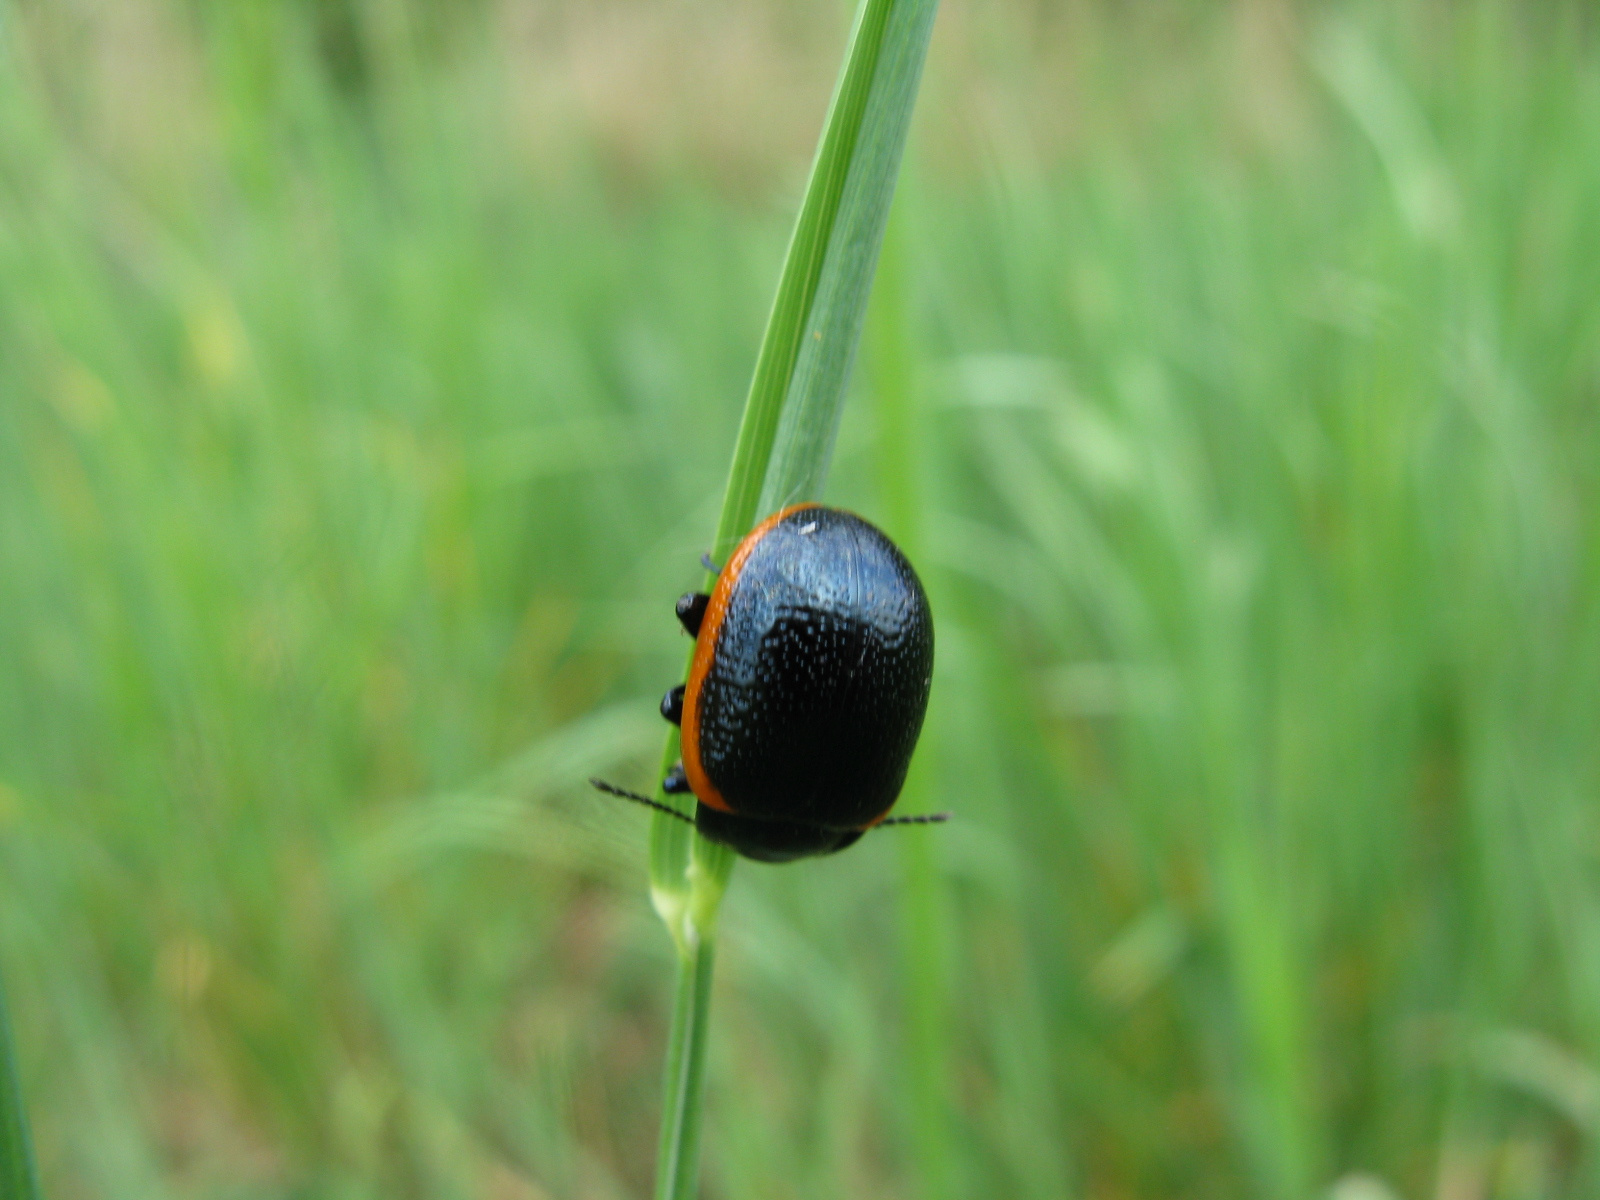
18, 1180
785, 442
680, 1126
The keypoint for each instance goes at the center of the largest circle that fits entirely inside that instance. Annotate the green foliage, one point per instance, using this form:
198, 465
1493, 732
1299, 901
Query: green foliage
355, 438
18, 1179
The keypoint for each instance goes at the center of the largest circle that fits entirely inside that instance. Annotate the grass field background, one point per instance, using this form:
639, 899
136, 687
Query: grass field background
369, 371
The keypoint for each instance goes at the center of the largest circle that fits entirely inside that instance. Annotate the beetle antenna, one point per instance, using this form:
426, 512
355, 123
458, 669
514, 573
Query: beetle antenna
614, 790
919, 819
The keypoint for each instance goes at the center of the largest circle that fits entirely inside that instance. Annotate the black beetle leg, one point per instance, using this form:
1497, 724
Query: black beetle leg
705, 561
676, 783
672, 705
691, 610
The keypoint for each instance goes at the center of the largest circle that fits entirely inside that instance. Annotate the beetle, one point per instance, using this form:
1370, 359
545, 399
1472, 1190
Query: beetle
808, 686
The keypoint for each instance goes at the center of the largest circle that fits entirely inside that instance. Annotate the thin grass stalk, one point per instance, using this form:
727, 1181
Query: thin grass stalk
18, 1178
785, 444
924, 986
685, 1077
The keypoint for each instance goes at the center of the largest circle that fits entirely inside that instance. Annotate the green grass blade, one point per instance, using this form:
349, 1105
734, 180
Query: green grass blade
927, 1036
18, 1180
785, 443
791, 415
684, 1081
798, 390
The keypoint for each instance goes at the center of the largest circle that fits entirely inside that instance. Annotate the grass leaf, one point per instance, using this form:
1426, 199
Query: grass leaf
786, 437
17, 1178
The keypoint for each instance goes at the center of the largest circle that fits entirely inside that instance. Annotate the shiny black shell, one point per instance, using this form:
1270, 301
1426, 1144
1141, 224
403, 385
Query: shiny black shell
808, 688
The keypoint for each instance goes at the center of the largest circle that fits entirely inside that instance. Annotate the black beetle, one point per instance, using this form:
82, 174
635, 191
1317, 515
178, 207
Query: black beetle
812, 665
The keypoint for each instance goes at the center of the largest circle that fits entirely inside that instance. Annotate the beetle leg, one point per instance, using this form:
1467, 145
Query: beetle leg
676, 783
691, 610
672, 705
705, 561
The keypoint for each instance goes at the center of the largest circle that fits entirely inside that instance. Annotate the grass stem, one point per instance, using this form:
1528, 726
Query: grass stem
785, 443
18, 1179
927, 1040
685, 1076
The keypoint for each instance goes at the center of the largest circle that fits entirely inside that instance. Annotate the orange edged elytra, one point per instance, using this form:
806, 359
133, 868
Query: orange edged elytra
812, 663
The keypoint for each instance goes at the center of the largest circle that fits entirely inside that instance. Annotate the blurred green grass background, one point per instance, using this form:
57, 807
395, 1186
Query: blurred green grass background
368, 375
